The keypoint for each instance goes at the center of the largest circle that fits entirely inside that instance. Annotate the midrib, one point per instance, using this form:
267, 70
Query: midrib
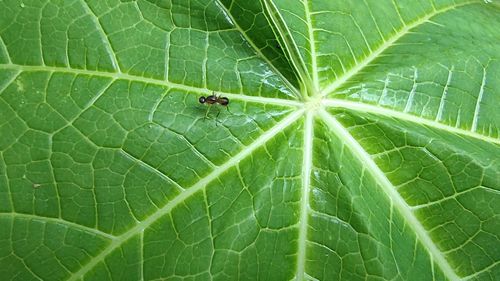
200, 185
381, 111
129, 77
392, 194
264, 100
387, 44
304, 204
257, 50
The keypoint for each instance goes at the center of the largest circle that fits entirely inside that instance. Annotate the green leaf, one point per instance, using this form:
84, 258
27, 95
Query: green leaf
361, 141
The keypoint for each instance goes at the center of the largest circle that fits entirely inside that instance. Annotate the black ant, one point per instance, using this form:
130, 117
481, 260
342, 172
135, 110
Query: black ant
214, 99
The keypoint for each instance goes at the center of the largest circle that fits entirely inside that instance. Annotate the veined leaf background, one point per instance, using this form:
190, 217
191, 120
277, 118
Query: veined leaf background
362, 140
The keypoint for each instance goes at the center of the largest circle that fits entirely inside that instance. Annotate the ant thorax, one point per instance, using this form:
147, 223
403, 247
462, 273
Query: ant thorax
214, 99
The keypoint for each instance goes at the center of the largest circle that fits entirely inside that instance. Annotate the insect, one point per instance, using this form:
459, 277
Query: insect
214, 99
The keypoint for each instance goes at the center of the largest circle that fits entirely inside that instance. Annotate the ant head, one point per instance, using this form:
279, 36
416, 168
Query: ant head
202, 100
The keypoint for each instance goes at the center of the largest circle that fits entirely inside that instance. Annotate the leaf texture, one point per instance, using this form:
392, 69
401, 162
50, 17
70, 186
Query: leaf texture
361, 141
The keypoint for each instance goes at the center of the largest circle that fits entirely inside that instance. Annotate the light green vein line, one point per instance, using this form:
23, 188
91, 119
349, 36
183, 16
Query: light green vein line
304, 204
481, 271
312, 44
7, 182
3, 46
392, 194
478, 103
389, 43
291, 47
442, 101
257, 50
89, 104
123, 76
152, 169
200, 185
367, 108
9, 81
59, 221
104, 37
28, 268
141, 245
454, 196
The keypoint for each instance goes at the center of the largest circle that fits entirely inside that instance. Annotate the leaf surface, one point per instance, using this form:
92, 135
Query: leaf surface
361, 140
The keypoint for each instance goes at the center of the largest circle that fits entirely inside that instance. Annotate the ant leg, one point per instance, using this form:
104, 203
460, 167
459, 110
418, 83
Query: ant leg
206, 113
227, 108
216, 118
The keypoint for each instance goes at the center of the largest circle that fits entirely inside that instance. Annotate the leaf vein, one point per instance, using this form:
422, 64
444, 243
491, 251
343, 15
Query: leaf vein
391, 193
387, 44
199, 186
168, 84
104, 36
304, 204
367, 108
66, 223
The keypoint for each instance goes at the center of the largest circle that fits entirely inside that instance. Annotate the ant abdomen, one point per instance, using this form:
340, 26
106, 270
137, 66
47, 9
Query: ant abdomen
223, 101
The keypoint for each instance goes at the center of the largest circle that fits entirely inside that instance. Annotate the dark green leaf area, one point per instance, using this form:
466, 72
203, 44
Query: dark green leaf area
247, 213
352, 227
456, 209
50, 249
453, 80
123, 263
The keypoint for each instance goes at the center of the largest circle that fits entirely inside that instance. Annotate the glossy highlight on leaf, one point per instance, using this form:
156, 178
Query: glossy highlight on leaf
361, 140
